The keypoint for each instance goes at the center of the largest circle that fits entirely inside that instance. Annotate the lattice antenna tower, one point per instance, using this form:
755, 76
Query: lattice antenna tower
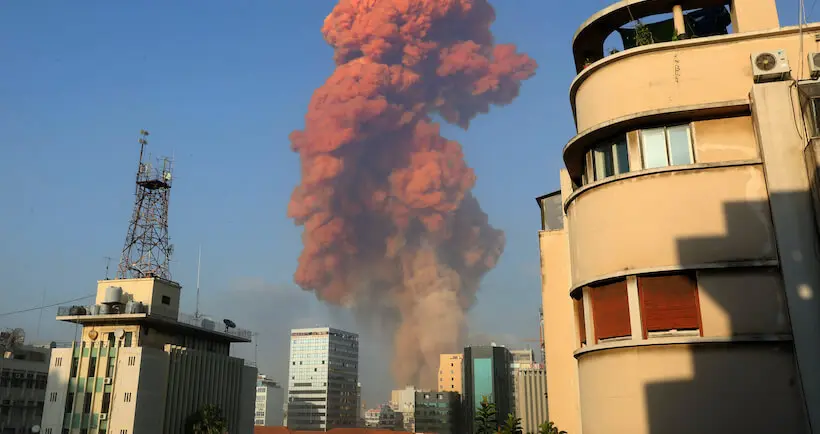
148, 249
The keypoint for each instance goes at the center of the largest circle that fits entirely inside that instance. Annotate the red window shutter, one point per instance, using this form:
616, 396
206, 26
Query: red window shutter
610, 311
669, 303
579, 316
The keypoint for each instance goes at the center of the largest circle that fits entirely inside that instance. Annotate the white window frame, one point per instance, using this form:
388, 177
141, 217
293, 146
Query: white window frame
668, 143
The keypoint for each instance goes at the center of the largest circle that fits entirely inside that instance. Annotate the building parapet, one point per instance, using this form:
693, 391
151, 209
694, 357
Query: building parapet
80, 314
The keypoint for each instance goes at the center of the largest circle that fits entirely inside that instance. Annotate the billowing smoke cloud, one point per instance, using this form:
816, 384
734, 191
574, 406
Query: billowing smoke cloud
391, 228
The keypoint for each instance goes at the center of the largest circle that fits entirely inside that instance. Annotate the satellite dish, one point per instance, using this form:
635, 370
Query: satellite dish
92, 334
229, 324
119, 333
35, 429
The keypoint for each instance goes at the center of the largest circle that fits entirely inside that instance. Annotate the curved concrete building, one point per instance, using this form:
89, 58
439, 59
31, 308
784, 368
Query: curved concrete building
680, 267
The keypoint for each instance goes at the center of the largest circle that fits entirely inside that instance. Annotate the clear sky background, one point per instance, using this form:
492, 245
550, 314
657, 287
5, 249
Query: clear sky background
221, 85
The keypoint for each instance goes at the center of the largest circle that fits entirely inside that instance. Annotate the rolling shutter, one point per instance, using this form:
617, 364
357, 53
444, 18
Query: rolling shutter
669, 303
610, 311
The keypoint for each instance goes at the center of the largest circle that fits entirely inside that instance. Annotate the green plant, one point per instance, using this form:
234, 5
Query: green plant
643, 36
208, 420
549, 428
485, 421
512, 425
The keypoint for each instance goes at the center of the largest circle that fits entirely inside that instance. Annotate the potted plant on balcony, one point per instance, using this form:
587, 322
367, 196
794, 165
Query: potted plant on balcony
643, 36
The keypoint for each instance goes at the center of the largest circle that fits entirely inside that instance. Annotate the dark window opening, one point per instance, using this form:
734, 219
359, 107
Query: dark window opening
579, 315
75, 363
106, 402
92, 367
166, 300
69, 402
87, 403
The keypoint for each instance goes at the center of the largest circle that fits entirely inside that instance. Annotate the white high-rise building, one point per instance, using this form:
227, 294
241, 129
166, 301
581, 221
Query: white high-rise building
324, 373
270, 402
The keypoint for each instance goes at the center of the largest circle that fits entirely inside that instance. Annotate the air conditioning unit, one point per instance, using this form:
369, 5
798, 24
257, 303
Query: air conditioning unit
814, 65
103, 416
770, 66
107, 380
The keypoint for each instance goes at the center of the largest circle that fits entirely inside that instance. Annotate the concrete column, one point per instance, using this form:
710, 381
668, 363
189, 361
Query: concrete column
754, 15
781, 147
677, 16
635, 321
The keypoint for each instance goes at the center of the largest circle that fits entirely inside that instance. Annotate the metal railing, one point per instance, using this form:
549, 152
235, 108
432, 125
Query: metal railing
191, 320
209, 324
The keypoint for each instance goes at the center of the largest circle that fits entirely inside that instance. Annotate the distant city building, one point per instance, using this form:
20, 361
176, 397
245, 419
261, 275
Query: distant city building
324, 374
522, 358
23, 378
142, 367
382, 417
404, 402
438, 413
449, 373
530, 392
487, 374
270, 402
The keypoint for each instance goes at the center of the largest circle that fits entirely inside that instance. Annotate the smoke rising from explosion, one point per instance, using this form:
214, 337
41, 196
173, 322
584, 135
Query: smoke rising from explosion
391, 228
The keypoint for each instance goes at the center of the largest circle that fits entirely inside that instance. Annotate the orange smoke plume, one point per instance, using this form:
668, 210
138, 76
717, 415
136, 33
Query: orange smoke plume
391, 228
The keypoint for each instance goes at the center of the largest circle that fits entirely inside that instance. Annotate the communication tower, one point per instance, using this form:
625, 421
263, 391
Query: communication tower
148, 248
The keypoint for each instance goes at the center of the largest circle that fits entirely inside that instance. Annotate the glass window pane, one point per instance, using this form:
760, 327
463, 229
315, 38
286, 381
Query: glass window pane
603, 162
621, 157
679, 145
654, 148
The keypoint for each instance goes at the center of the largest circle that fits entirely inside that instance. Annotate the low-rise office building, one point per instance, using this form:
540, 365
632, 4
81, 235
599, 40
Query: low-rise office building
23, 379
438, 413
141, 367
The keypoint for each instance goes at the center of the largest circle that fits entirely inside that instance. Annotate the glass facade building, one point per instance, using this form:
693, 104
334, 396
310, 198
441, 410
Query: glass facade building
323, 378
487, 374
438, 412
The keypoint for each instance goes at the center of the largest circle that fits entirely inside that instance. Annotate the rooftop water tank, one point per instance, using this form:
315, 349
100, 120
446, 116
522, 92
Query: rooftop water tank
130, 307
139, 307
113, 294
105, 309
94, 310
208, 324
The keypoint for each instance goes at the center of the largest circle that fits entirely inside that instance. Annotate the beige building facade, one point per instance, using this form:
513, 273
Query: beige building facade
530, 396
141, 367
679, 263
449, 372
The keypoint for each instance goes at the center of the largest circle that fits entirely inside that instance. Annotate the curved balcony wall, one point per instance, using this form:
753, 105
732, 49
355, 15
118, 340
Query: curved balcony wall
672, 218
691, 388
681, 73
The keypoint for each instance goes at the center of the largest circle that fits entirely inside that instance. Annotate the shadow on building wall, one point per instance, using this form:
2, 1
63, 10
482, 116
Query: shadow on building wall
750, 384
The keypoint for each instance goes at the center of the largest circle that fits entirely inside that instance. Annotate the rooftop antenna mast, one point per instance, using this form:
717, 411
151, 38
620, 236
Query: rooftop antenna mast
148, 249
107, 266
198, 264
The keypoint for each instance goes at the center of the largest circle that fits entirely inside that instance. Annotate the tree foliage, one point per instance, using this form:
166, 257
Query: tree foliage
549, 428
485, 419
512, 425
208, 420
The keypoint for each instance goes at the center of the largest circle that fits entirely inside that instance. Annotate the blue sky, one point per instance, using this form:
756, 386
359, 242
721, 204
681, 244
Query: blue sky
221, 85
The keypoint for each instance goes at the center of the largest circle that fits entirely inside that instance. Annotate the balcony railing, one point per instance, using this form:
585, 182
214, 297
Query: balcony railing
191, 320
209, 324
